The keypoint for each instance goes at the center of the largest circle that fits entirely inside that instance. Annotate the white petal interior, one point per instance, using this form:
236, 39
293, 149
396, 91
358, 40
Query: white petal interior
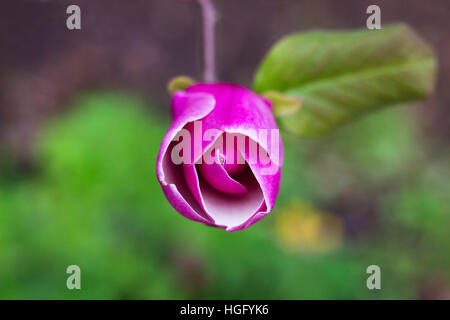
232, 210
173, 174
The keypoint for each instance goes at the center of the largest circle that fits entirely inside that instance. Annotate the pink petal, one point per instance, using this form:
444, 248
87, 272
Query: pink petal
187, 108
216, 175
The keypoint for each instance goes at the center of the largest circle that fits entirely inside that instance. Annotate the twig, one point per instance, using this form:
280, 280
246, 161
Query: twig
209, 21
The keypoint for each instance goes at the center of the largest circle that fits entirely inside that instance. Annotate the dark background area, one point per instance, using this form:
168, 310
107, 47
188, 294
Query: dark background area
139, 45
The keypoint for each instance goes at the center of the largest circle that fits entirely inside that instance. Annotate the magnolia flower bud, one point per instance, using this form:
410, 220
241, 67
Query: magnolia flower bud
220, 161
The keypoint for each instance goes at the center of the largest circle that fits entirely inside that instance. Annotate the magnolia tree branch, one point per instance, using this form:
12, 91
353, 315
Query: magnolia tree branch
209, 21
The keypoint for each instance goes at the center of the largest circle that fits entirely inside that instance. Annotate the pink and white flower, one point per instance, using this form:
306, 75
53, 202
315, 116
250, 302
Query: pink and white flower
220, 161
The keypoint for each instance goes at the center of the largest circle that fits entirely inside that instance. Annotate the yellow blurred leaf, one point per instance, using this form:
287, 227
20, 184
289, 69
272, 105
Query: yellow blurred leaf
301, 227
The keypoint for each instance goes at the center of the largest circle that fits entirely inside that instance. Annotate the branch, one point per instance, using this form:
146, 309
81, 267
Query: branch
209, 21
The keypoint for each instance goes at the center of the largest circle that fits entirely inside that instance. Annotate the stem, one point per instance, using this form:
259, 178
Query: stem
209, 21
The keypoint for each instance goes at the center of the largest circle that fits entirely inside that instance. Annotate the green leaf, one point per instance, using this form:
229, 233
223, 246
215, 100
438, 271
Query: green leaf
341, 75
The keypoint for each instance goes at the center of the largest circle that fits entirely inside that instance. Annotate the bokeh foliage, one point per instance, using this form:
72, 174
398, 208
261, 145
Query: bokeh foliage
93, 200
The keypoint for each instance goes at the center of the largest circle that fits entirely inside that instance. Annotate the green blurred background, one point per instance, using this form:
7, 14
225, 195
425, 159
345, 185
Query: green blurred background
79, 141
